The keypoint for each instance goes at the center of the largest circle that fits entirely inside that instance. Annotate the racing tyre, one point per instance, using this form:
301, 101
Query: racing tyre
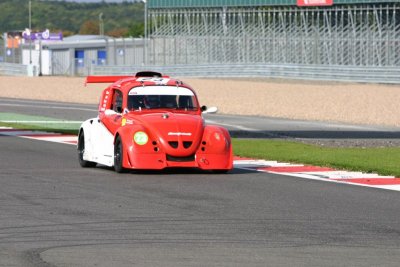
118, 156
81, 150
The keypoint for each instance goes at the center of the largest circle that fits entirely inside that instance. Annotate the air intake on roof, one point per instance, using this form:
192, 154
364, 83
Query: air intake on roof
148, 74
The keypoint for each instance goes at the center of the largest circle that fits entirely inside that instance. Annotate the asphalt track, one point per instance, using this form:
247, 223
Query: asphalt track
54, 213
239, 126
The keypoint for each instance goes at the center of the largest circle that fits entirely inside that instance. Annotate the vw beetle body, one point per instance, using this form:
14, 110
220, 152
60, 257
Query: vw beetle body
150, 121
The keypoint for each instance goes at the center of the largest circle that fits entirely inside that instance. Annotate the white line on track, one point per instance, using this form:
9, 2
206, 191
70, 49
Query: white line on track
233, 126
48, 107
253, 165
41, 102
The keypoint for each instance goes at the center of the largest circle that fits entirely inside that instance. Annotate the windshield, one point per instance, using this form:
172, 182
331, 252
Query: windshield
161, 97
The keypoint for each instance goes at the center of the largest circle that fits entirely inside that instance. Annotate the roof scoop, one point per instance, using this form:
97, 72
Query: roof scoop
152, 74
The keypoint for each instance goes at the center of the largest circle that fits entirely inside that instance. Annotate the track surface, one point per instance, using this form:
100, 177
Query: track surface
54, 213
241, 126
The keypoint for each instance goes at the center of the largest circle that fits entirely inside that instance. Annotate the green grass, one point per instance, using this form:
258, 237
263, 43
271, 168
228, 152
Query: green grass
385, 161
48, 128
40, 123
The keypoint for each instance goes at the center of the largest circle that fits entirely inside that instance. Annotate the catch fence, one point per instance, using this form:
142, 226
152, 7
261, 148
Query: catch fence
347, 35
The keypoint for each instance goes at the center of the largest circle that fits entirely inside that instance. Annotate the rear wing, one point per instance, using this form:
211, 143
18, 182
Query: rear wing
104, 79
113, 79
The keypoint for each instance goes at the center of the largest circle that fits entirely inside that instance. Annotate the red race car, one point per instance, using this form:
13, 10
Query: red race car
150, 121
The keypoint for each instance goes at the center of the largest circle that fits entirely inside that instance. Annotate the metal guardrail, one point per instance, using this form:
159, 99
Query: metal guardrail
389, 75
12, 69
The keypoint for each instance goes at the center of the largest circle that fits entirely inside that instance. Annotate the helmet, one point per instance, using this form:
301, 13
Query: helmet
152, 101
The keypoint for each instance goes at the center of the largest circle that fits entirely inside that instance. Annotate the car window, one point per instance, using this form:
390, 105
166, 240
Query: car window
117, 101
161, 97
161, 101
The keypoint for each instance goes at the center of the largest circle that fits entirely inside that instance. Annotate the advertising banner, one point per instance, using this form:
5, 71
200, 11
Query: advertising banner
44, 36
314, 2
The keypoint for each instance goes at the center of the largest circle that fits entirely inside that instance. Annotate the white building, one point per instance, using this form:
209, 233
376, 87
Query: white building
76, 55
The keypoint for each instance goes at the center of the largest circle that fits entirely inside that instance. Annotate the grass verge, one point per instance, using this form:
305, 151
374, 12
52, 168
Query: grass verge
384, 161
39, 123
49, 128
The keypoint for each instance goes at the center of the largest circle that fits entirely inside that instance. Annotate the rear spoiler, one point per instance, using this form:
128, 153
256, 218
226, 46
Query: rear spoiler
113, 79
104, 79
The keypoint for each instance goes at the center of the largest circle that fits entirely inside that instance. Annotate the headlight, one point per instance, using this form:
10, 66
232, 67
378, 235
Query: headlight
140, 138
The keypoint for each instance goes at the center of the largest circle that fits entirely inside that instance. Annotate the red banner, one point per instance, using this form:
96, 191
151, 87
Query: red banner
314, 2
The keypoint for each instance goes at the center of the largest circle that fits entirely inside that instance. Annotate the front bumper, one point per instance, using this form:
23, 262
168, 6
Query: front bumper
159, 161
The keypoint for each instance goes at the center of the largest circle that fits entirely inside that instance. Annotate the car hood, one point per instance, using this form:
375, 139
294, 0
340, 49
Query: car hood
178, 134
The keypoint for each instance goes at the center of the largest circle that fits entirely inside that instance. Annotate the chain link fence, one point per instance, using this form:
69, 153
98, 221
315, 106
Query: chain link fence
353, 35
342, 42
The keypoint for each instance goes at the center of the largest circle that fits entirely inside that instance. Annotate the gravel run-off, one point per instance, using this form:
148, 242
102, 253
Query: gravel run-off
355, 103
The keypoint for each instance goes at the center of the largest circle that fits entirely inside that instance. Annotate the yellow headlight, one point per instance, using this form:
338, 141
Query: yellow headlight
140, 138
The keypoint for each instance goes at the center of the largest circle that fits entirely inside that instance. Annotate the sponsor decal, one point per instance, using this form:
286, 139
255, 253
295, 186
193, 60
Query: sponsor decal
158, 81
314, 2
179, 134
125, 121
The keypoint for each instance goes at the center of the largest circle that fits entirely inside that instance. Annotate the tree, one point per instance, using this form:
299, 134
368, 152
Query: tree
70, 16
89, 27
67, 33
136, 29
120, 32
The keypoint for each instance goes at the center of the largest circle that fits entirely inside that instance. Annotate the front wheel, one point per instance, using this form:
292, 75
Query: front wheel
81, 151
118, 156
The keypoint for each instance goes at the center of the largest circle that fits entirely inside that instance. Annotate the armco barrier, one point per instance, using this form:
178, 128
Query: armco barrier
305, 72
12, 69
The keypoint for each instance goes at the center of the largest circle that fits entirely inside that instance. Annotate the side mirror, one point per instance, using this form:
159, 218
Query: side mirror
109, 112
210, 110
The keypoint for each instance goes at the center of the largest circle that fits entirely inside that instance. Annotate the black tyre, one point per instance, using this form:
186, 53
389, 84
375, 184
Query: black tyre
81, 150
118, 156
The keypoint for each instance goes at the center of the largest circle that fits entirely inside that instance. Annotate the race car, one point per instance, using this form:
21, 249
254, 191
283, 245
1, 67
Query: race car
151, 122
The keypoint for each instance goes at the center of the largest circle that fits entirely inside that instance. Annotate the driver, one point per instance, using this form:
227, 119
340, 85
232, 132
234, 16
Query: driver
152, 101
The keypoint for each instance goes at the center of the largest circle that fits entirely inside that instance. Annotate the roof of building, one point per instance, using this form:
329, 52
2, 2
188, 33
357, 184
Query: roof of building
240, 3
81, 37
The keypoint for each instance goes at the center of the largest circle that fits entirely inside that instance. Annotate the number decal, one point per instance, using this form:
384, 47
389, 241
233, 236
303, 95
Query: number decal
158, 81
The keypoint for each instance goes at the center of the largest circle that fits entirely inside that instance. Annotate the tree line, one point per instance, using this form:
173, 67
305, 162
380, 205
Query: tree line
119, 19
